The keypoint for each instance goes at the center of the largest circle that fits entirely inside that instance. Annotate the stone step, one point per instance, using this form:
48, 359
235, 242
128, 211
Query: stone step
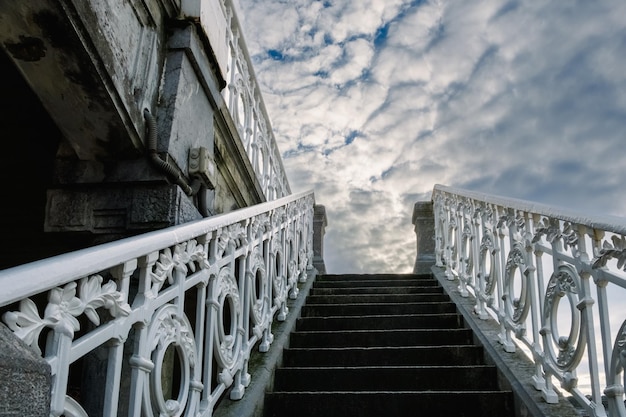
375, 283
417, 289
387, 378
374, 277
384, 356
364, 309
376, 299
389, 403
380, 338
383, 345
408, 321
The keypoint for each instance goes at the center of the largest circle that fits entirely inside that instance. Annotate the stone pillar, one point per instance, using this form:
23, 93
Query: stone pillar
25, 379
424, 221
319, 230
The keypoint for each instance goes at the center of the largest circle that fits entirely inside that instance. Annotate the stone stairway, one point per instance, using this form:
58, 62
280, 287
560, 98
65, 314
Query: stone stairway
383, 345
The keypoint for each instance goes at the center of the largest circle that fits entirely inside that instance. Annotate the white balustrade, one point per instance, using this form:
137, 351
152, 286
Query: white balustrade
554, 281
242, 94
172, 315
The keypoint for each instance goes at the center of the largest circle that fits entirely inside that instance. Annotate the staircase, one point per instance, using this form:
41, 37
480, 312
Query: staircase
383, 345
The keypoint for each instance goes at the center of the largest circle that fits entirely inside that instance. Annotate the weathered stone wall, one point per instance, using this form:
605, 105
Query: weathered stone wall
95, 67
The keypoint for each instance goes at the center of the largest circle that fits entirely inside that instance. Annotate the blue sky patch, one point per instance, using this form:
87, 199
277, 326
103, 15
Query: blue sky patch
351, 136
276, 55
381, 35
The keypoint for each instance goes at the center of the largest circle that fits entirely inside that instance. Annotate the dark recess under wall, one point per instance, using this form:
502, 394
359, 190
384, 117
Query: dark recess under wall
29, 140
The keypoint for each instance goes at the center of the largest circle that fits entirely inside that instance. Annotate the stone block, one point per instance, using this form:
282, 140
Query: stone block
25, 379
424, 221
319, 230
118, 210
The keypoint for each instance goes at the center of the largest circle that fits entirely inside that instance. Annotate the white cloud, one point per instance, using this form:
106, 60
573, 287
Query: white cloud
376, 101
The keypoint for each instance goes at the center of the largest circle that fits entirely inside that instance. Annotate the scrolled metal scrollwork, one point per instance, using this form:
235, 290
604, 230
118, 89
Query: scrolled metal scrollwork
616, 250
564, 282
466, 249
170, 330
227, 341
516, 308
615, 378
184, 257
487, 254
551, 229
259, 303
64, 308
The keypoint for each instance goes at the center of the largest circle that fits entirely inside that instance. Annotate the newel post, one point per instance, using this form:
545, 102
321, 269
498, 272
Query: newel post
424, 221
319, 229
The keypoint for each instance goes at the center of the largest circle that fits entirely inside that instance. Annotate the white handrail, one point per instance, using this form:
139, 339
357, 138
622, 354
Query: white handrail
524, 263
208, 289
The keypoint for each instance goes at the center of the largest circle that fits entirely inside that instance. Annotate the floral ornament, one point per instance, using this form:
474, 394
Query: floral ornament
562, 283
260, 222
292, 210
279, 216
615, 251
183, 258
302, 259
510, 220
64, 307
95, 295
175, 329
550, 228
487, 213
234, 234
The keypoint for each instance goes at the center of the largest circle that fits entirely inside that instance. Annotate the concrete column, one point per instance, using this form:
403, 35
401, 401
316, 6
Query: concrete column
319, 230
25, 379
424, 221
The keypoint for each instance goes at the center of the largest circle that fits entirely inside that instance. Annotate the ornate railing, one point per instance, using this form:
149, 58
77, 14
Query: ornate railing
555, 282
242, 94
162, 324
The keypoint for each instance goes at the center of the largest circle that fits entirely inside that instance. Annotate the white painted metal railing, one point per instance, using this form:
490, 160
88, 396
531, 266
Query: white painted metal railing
246, 105
170, 317
555, 282
242, 94
245, 102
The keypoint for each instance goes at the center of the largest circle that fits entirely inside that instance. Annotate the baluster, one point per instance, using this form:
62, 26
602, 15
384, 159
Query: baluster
268, 337
59, 346
448, 245
505, 333
280, 271
122, 274
536, 314
439, 246
537, 311
603, 310
242, 378
197, 385
212, 306
479, 280
141, 366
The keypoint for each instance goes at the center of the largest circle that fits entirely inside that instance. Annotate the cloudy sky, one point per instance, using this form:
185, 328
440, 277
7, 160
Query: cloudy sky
374, 101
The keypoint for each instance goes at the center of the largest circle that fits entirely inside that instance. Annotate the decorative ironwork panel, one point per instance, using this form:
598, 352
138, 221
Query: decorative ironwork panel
168, 318
551, 278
